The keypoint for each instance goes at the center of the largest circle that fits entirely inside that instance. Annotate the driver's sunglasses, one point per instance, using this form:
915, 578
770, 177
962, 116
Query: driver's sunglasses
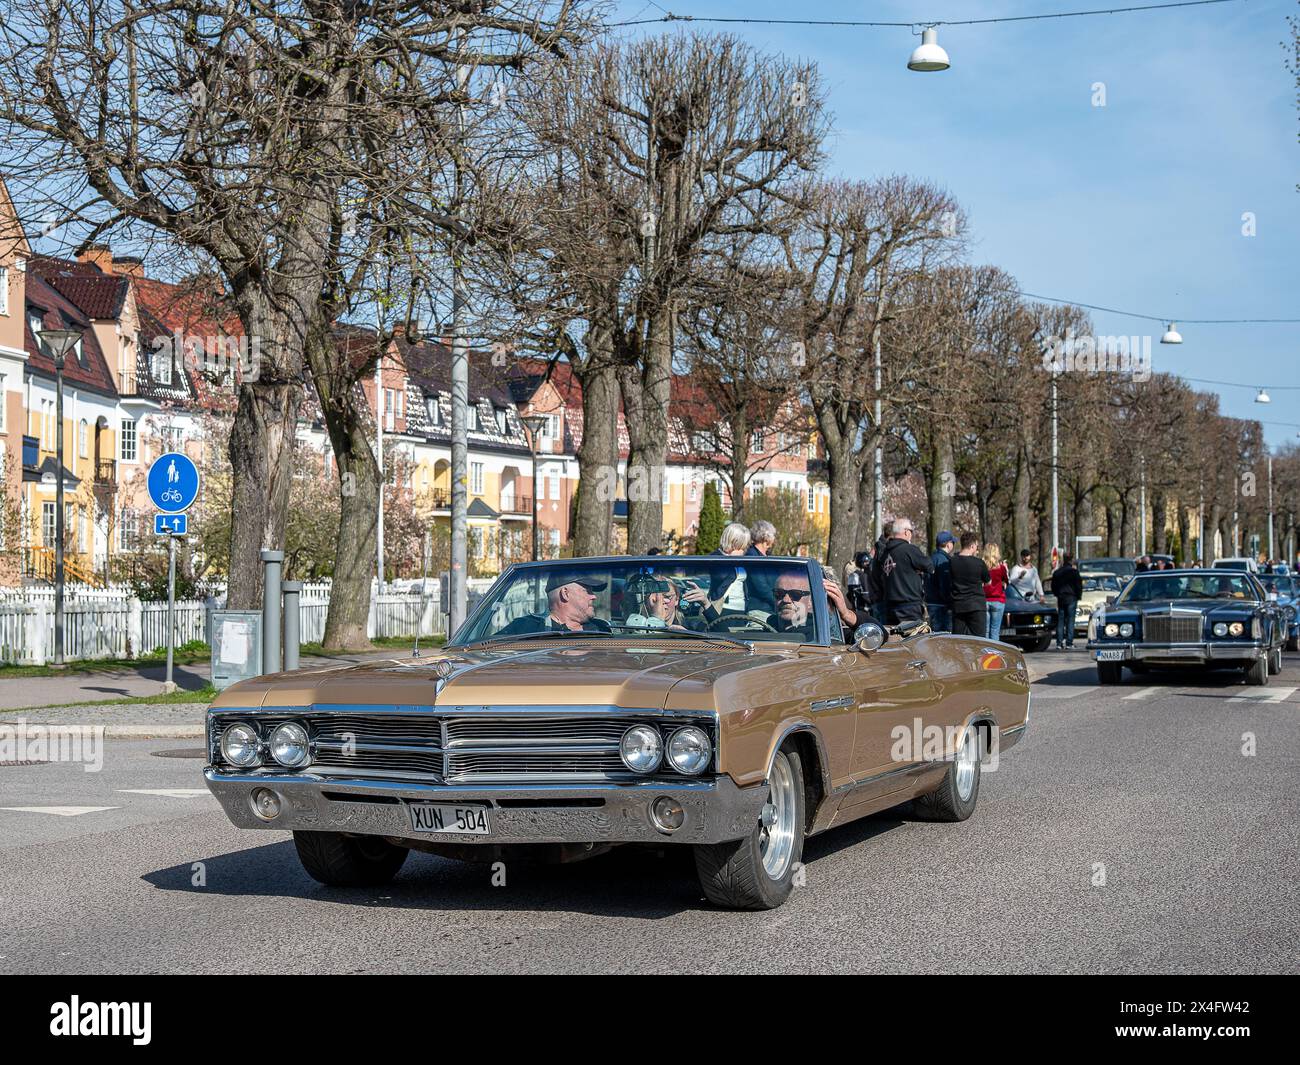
793, 594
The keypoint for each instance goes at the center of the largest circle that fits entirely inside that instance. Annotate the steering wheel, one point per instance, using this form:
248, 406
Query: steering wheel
736, 615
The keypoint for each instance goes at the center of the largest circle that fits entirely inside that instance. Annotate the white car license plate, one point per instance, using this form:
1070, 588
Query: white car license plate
1115, 655
432, 817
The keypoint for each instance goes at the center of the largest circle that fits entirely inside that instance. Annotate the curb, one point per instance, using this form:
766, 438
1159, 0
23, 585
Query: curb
130, 732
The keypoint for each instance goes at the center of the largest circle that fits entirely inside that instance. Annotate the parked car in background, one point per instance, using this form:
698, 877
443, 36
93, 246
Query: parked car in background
588, 703
1098, 586
1241, 563
1189, 618
1284, 590
1028, 623
1123, 568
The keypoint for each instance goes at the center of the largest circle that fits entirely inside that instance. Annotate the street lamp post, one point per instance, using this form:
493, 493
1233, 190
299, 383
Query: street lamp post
58, 342
1271, 552
534, 423
878, 471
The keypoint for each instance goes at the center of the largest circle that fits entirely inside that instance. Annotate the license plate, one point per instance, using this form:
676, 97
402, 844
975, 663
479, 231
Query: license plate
1115, 655
432, 817
1008, 632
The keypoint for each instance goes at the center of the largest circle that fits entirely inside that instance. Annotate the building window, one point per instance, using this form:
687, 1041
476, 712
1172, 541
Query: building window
4, 290
695, 491
550, 432
812, 500
128, 529
552, 482
48, 524
758, 441
162, 364
83, 434
471, 418
476, 478
128, 448
500, 413
83, 538
435, 412
667, 489
2, 403
171, 437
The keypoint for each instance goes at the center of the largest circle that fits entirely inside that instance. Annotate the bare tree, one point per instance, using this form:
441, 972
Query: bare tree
848, 263
247, 131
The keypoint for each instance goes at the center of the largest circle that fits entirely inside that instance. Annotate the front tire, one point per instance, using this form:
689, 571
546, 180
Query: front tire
1275, 660
1042, 645
955, 798
757, 872
1110, 673
1257, 671
348, 861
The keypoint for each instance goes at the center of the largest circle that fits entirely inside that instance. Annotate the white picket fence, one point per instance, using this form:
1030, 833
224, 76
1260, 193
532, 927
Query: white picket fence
112, 623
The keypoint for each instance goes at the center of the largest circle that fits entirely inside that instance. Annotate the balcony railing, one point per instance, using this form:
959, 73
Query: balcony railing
517, 505
105, 473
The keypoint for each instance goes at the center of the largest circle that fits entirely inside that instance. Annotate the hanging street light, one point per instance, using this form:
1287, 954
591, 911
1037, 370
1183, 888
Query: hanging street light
1172, 336
1263, 397
928, 55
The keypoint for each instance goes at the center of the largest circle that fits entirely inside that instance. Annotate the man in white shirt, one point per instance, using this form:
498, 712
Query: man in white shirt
1025, 577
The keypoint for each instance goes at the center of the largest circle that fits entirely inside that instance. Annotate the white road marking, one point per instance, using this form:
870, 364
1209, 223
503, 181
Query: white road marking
167, 793
1263, 695
60, 811
1062, 691
1146, 693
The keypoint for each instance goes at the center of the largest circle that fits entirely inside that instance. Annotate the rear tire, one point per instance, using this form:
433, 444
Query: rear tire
348, 861
1257, 671
1042, 645
757, 872
1110, 673
1293, 643
955, 798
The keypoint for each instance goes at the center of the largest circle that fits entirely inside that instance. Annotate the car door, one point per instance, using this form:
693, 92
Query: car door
898, 693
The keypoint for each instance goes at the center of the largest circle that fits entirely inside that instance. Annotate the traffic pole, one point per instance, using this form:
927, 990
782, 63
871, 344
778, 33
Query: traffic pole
169, 685
292, 623
271, 611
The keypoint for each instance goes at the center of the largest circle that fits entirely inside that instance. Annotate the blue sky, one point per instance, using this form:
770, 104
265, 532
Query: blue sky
1136, 205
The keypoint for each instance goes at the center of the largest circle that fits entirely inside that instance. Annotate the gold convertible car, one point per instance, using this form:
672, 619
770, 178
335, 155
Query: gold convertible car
712, 701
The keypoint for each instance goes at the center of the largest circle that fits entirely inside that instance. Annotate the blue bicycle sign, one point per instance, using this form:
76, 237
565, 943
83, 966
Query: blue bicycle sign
173, 482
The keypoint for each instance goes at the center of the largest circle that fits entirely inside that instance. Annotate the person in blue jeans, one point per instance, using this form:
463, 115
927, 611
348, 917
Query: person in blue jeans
1067, 586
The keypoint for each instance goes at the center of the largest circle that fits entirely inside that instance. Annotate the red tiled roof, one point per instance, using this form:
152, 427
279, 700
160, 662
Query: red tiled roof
97, 294
57, 312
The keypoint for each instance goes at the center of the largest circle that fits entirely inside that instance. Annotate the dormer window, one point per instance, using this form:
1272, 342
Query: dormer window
435, 412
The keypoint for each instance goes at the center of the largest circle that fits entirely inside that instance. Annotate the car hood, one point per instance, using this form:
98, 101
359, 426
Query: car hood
633, 677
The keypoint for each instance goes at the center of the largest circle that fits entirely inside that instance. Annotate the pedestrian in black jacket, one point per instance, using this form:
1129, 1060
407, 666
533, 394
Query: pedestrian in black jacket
899, 572
968, 575
1067, 586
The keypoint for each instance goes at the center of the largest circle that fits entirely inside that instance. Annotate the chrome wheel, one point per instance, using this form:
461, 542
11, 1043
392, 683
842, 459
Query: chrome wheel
776, 830
968, 757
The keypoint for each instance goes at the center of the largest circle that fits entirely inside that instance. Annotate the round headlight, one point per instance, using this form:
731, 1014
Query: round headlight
1236, 628
641, 749
689, 750
1126, 630
289, 745
1220, 629
240, 745
1112, 629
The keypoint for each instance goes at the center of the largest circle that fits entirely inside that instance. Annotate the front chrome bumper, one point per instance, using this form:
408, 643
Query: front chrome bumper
716, 809
1241, 651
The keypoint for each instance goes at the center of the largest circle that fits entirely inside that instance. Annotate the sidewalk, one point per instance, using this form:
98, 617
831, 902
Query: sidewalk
95, 685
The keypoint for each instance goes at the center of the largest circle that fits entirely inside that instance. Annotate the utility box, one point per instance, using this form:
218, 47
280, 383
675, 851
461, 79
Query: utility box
236, 646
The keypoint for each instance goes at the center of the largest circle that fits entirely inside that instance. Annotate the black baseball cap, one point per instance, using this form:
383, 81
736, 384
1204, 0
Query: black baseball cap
591, 581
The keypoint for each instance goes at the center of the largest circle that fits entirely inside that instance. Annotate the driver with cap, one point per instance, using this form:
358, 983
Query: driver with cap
571, 603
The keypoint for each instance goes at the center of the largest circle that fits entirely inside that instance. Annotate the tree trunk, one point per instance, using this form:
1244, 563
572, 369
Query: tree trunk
1159, 516
261, 462
597, 456
350, 433
1113, 527
646, 395
939, 487
1020, 530
845, 473
1184, 535
739, 464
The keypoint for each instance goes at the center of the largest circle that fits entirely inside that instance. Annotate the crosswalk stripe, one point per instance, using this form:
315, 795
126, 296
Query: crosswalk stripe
60, 811
1146, 693
1062, 691
167, 793
1263, 695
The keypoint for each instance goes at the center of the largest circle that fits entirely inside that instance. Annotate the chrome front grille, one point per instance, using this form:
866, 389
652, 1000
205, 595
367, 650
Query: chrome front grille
1162, 628
459, 748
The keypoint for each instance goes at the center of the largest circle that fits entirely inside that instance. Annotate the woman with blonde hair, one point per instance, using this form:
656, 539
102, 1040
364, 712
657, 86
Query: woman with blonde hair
995, 592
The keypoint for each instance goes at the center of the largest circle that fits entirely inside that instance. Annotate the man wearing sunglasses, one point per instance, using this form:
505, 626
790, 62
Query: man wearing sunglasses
793, 605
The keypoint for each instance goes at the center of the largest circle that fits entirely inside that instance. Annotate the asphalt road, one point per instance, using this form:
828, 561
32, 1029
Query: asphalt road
1127, 833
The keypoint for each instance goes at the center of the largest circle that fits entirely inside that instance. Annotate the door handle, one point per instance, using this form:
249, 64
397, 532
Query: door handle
916, 663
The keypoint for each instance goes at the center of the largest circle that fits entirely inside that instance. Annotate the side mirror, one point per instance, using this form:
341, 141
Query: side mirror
869, 636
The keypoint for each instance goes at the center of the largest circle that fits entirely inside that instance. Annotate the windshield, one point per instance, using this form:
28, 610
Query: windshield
1146, 589
1104, 583
1276, 582
663, 597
